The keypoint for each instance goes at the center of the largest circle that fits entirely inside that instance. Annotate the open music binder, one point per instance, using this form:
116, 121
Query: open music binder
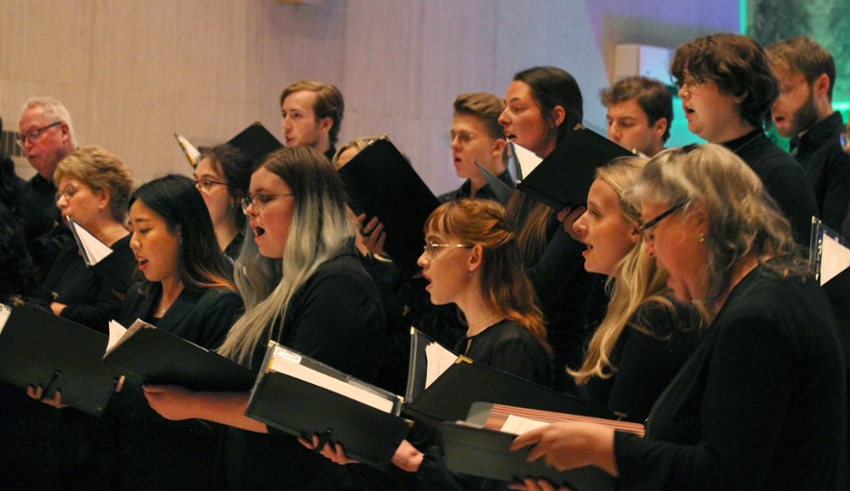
563, 178
480, 446
145, 354
303, 397
382, 183
39, 348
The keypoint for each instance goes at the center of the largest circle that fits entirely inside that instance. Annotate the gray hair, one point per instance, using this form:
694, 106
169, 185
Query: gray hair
53, 111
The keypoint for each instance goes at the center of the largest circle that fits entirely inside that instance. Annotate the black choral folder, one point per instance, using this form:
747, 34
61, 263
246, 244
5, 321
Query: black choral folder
153, 356
39, 348
563, 178
381, 183
303, 397
450, 397
487, 453
256, 142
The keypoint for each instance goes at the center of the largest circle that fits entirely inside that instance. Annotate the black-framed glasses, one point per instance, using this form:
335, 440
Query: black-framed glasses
258, 201
34, 134
207, 184
648, 225
431, 248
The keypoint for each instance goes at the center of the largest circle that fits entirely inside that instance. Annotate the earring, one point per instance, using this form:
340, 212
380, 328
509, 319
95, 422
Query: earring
702, 237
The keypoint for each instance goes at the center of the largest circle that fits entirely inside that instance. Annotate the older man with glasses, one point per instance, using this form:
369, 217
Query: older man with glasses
46, 136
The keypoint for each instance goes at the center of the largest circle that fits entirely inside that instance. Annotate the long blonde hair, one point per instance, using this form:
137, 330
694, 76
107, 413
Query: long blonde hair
319, 231
639, 282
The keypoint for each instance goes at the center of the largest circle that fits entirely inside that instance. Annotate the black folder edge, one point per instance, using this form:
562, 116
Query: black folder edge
482, 452
563, 178
380, 182
159, 357
302, 409
451, 396
57, 354
418, 365
501, 190
256, 142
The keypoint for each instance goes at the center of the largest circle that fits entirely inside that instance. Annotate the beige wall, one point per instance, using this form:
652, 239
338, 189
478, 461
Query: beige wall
133, 72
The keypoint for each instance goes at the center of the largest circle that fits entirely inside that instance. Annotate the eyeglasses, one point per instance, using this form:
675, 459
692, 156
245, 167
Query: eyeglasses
431, 248
258, 201
648, 225
34, 135
206, 184
462, 137
690, 83
68, 193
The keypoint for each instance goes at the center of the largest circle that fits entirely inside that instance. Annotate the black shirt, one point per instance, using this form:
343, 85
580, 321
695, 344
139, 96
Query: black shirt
784, 179
828, 167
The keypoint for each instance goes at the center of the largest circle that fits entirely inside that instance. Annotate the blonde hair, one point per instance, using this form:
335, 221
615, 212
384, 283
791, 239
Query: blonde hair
639, 282
320, 229
505, 287
100, 169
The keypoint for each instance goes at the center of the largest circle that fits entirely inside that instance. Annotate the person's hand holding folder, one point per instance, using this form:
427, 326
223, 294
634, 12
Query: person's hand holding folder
570, 445
372, 234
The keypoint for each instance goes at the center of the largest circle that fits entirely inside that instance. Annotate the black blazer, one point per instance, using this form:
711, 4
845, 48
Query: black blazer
200, 317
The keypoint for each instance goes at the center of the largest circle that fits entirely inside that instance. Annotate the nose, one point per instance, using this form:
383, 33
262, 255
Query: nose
61, 202
422, 262
503, 118
683, 91
580, 225
455, 142
614, 132
135, 245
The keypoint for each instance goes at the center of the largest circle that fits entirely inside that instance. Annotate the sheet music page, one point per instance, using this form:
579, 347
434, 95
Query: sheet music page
5, 312
439, 360
518, 425
116, 332
284, 362
834, 259
525, 160
94, 250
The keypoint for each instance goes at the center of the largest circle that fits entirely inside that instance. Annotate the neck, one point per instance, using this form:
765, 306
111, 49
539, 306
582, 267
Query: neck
225, 233
732, 132
475, 184
108, 232
741, 271
479, 315
171, 289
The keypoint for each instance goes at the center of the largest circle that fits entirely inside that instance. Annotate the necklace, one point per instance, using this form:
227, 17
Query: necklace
164, 306
475, 328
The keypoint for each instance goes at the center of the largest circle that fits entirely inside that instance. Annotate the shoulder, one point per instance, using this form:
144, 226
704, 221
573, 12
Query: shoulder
342, 269
218, 298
